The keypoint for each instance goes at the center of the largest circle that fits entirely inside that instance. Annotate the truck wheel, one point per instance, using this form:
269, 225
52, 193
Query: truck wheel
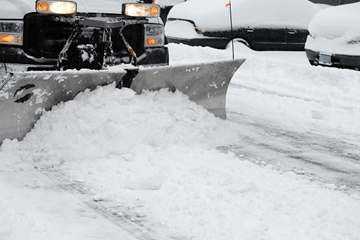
314, 62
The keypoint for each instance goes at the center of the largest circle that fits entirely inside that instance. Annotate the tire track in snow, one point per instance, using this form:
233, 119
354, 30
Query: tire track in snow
325, 158
120, 215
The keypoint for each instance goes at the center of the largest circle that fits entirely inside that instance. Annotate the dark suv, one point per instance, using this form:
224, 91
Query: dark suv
261, 25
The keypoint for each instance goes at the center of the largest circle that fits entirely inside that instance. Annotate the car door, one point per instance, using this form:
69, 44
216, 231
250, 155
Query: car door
295, 39
266, 38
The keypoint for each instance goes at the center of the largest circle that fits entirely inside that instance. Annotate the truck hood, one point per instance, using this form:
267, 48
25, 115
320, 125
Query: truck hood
16, 9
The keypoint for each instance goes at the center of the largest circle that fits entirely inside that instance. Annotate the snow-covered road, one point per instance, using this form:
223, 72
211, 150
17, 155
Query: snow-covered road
285, 165
313, 130
335, 161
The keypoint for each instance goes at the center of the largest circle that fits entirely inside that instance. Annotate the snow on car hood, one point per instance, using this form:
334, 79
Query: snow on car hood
214, 14
164, 3
16, 9
332, 29
337, 22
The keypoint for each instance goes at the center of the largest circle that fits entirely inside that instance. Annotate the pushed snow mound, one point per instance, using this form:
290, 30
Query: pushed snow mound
110, 121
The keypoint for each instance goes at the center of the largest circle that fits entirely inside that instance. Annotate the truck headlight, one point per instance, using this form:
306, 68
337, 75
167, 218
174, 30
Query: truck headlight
11, 32
154, 35
141, 10
56, 7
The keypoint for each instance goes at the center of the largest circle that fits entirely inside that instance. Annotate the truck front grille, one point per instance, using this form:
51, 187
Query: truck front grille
45, 36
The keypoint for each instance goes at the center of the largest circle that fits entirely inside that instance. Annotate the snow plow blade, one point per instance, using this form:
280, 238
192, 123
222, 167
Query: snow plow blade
205, 84
24, 97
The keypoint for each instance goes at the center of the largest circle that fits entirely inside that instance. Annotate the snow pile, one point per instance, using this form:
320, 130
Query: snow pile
122, 123
211, 15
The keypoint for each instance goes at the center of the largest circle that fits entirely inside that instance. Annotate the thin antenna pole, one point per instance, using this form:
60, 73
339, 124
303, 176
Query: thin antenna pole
231, 32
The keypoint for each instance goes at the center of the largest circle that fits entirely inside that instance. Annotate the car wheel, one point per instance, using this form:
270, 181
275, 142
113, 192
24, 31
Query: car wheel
239, 40
314, 62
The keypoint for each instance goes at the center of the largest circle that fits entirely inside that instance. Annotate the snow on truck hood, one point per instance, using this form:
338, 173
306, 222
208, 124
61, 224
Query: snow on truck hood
16, 9
214, 15
337, 22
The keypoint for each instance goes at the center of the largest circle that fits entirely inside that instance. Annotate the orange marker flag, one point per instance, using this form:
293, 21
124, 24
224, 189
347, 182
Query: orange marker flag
228, 4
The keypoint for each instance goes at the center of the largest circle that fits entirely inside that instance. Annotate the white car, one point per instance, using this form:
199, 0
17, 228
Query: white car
262, 25
166, 5
334, 38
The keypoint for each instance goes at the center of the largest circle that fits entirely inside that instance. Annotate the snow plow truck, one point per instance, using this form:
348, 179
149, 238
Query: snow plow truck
52, 50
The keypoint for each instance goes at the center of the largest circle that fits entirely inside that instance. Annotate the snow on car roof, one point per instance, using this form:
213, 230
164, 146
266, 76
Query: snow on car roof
214, 15
165, 3
334, 22
14, 11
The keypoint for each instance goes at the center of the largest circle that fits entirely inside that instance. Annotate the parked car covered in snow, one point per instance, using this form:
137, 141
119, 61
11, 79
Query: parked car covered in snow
166, 5
334, 38
261, 25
